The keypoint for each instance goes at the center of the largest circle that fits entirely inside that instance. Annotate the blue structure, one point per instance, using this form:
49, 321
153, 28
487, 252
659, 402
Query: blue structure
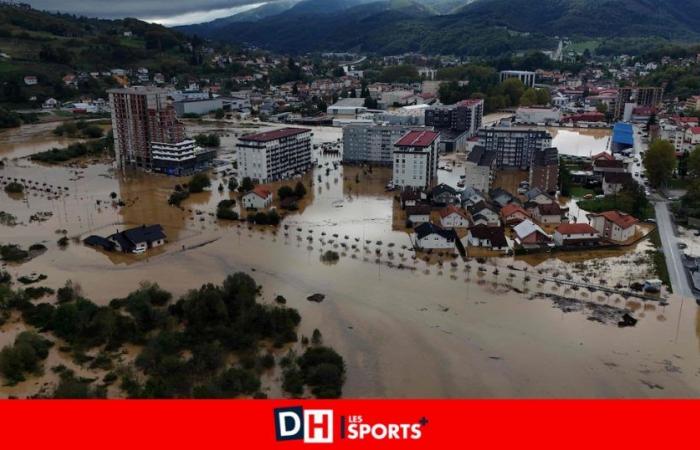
622, 137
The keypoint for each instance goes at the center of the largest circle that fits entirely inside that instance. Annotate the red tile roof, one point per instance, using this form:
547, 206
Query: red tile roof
512, 208
470, 102
695, 130
417, 138
274, 134
576, 228
620, 219
446, 211
260, 192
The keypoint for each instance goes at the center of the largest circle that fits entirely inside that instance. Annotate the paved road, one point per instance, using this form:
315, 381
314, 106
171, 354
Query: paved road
676, 271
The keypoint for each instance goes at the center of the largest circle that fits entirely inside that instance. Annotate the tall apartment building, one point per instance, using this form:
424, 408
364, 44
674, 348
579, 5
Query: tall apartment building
528, 78
544, 170
416, 159
142, 115
466, 115
371, 143
480, 169
637, 95
514, 146
274, 155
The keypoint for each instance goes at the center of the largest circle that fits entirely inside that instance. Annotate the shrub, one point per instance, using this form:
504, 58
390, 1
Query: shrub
198, 182
14, 188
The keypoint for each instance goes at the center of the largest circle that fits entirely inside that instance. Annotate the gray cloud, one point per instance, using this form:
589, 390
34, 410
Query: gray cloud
136, 8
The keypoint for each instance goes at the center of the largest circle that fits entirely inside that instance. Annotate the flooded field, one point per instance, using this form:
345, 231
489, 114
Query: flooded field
495, 328
580, 141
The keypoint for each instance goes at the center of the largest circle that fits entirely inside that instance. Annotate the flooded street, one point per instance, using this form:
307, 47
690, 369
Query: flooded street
405, 328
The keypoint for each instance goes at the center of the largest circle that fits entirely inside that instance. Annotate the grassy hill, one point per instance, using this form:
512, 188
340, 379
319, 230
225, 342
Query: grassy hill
479, 28
50, 46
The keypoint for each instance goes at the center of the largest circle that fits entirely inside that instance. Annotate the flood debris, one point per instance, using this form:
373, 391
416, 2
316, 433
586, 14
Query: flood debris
317, 298
627, 321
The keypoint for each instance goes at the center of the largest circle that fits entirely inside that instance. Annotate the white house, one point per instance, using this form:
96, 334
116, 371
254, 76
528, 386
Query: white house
550, 213
489, 237
429, 236
416, 215
258, 198
614, 225
453, 217
570, 234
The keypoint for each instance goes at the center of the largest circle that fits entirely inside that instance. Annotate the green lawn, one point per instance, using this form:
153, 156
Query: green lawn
580, 192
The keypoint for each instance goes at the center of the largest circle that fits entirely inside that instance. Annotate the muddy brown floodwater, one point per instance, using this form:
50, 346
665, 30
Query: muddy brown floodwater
405, 328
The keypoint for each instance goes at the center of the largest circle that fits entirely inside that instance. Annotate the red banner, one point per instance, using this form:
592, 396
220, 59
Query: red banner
362, 424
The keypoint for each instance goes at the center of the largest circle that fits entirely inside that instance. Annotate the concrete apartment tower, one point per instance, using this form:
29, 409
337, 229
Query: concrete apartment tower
142, 115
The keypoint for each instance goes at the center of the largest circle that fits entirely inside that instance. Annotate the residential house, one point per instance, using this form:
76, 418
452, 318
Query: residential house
602, 165
485, 214
258, 198
576, 234
480, 168
485, 236
415, 215
550, 213
139, 239
470, 197
429, 236
513, 214
530, 236
535, 195
443, 194
31, 80
453, 217
615, 226
501, 197
411, 197
613, 182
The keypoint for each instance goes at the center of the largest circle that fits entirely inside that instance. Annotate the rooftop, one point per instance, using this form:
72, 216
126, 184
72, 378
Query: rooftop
576, 228
267, 136
623, 220
417, 138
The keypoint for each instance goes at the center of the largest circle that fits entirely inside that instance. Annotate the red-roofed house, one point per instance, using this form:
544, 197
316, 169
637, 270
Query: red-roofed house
582, 234
416, 159
453, 217
693, 135
513, 214
614, 225
258, 198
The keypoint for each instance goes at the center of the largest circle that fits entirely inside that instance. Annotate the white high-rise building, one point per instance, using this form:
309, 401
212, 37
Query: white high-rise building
274, 155
416, 159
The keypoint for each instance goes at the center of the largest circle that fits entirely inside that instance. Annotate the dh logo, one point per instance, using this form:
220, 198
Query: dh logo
314, 426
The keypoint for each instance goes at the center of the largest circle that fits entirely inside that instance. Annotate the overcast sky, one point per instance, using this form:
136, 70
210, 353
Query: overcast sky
168, 12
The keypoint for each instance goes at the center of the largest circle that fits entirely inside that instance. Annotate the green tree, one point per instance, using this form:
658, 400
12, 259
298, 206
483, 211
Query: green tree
198, 182
529, 97
659, 162
514, 90
693, 163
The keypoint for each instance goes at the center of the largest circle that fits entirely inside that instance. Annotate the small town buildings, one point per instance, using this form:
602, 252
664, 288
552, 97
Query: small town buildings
470, 197
453, 217
604, 165
513, 214
139, 239
480, 168
514, 146
371, 143
615, 226
274, 155
530, 236
482, 213
527, 78
415, 215
180, 158
576, 234
613, 182
411, 197
535, 195
501, 197
544, 170
443, 194
50, 103
416, 159
549, 213
463, 118
31, 80
429, 236
537, 115
486, 236
258, 198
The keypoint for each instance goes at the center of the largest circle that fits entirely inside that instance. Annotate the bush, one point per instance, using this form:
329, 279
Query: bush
198, 182
330, 256
178, 197
13, 253
14, 188
207, 140
23, 357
